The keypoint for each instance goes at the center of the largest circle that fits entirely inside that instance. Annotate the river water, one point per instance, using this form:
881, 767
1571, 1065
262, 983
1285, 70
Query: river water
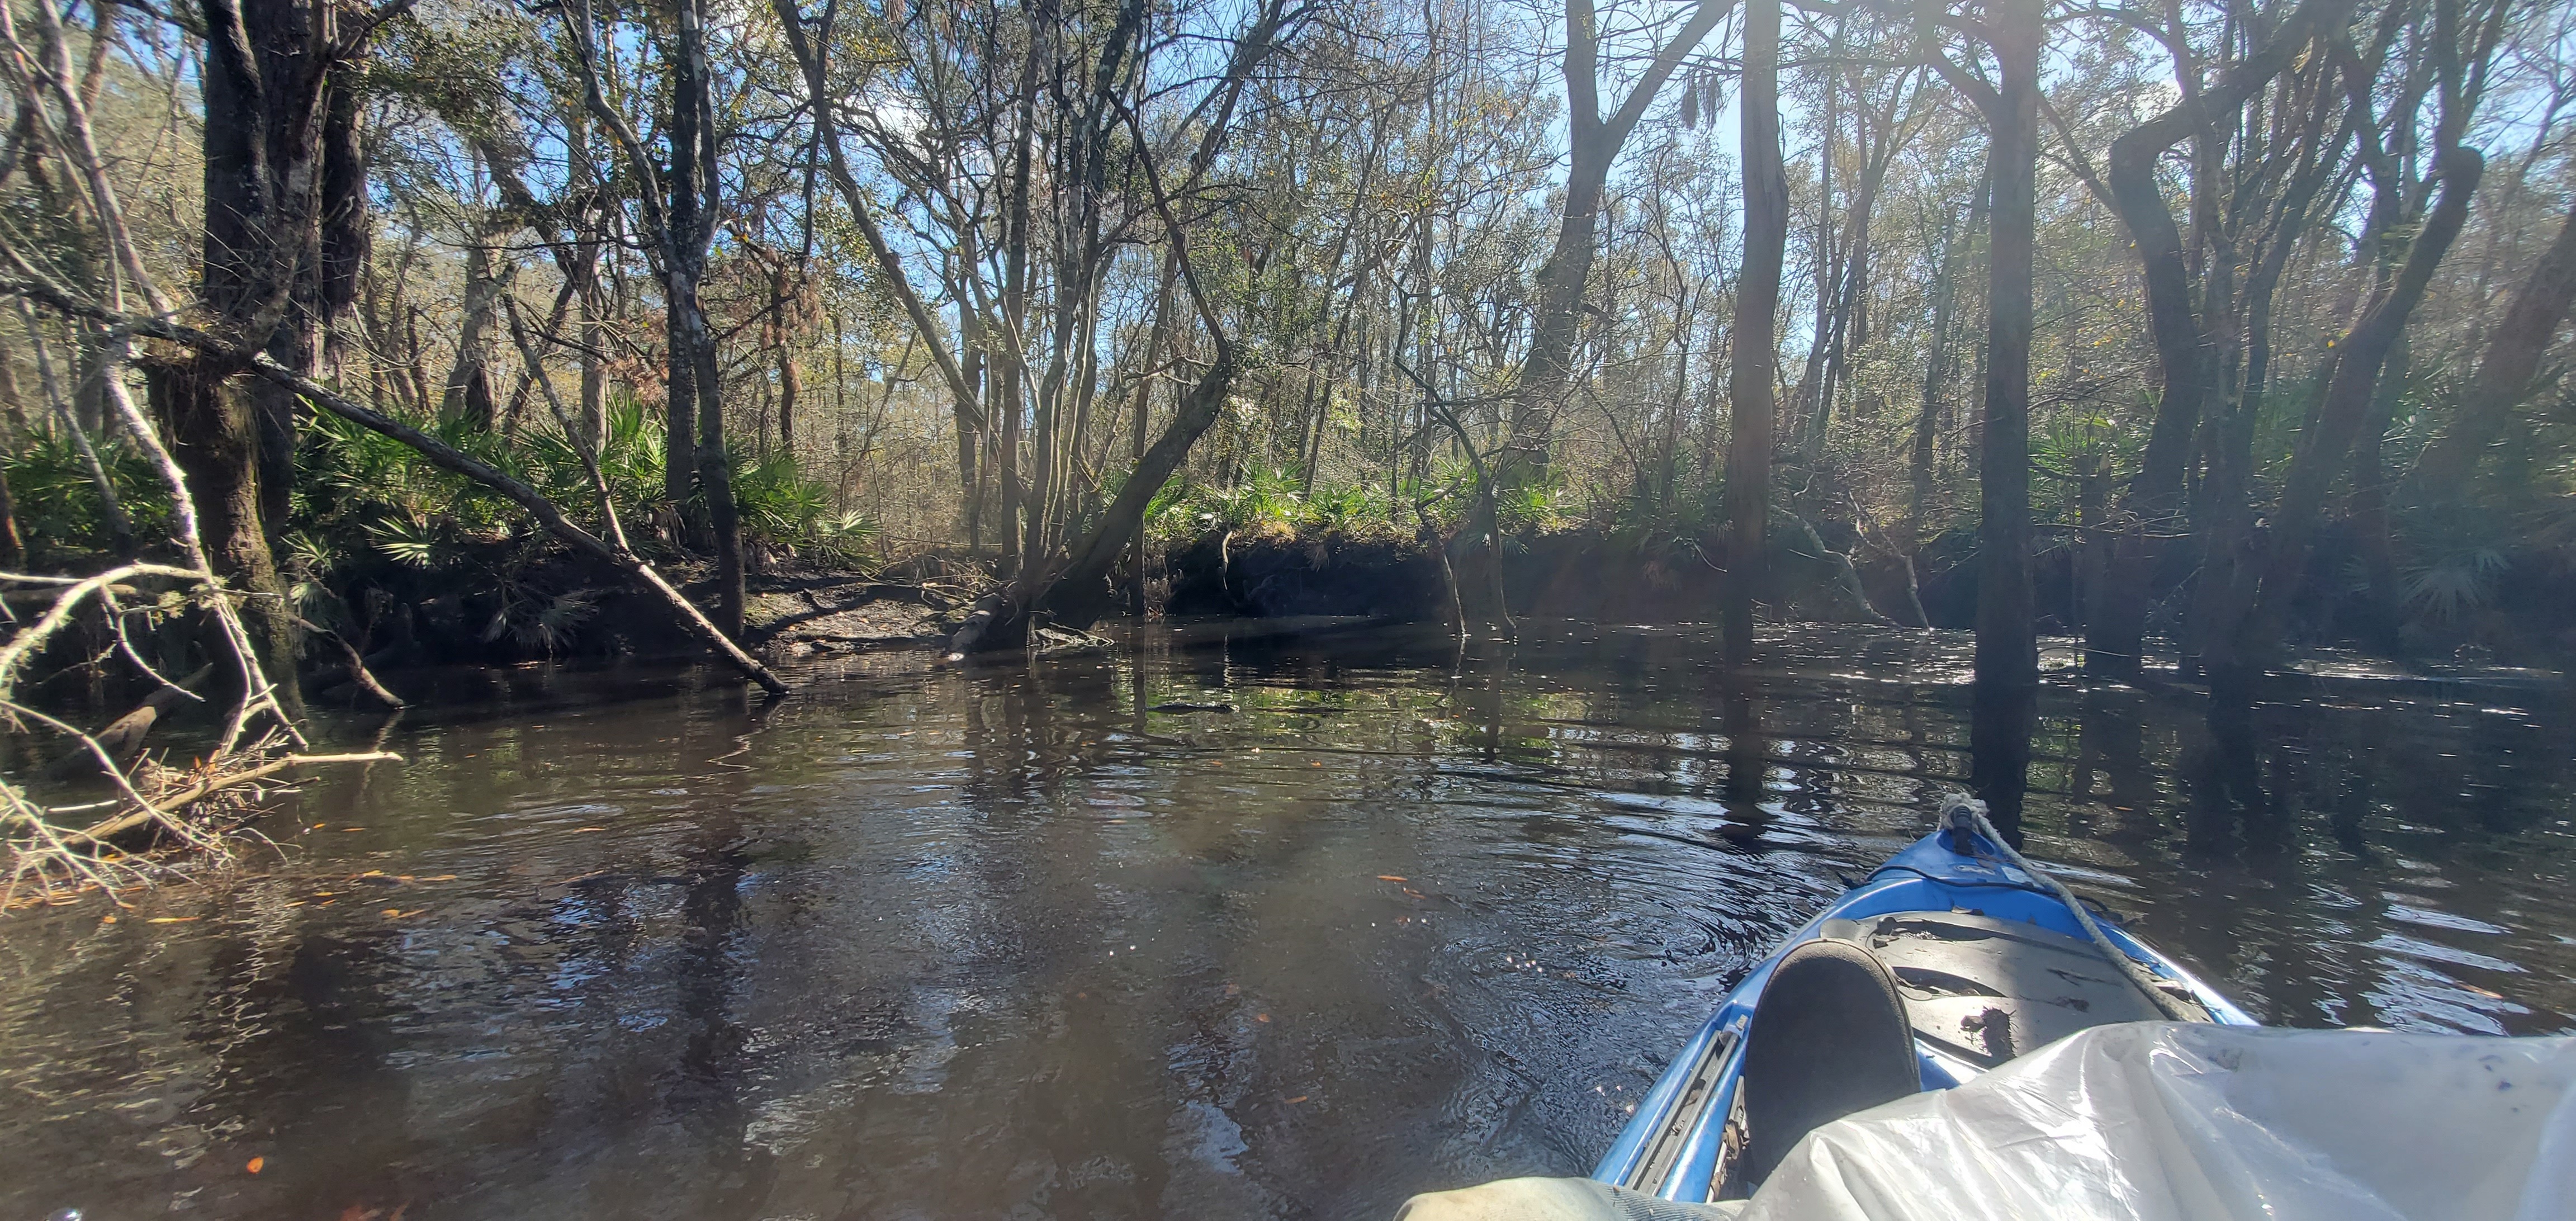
1006, 941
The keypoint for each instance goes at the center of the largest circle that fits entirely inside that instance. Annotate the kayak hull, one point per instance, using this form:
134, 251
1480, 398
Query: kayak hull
1673, 1147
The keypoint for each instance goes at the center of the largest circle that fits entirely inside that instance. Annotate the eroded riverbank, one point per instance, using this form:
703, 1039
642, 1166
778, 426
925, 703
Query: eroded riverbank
951, 943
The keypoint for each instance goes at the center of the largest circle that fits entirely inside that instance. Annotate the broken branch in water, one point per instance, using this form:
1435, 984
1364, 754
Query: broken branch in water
187, 808
102, 833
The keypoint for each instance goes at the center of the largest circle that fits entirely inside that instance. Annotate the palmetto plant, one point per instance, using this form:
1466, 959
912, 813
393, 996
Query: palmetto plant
2454, 584
537, 619
58, 505
778, 505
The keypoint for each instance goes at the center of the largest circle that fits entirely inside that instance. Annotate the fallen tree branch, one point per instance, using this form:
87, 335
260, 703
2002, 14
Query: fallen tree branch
357, 661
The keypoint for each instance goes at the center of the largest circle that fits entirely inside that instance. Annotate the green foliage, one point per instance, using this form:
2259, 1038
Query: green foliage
783, 510
362, 497
60, 513
1350, 510
777, 505
407, 540
1655, 511
1269, 501
538, 619
1534, 507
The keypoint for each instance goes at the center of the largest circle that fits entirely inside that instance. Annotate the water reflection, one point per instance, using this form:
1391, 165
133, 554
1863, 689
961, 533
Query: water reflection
1062, 941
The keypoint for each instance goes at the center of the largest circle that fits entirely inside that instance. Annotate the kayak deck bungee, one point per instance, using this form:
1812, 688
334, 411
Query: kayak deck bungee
1979, 959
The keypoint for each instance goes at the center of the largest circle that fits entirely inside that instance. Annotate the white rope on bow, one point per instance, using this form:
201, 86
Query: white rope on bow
1963, 812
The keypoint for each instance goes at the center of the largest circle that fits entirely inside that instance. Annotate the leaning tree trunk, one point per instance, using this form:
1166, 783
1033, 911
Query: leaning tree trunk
2505, 375
1080, 593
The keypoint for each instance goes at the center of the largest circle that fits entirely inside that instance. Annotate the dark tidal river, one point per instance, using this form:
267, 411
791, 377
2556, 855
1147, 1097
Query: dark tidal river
1005, 942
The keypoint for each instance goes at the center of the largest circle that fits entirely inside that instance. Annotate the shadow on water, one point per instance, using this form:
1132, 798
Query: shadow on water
1244, 919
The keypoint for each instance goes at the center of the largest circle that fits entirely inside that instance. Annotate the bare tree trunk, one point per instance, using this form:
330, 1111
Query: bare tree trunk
1927, 419
2366, 513
2227, 486
679, 422
526, 380
1012, 353
2005, 694
1847, 327
1812, 405
1156, 338
284, 237
791, 387
469, 383
416, 360
1755, 365
594, 375
209, 416
694, 140
972, 435
13, 548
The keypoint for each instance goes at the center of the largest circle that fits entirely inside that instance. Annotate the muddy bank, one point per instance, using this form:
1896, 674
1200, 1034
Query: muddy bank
1822, 572
1271, 576
571, 611
1573, 574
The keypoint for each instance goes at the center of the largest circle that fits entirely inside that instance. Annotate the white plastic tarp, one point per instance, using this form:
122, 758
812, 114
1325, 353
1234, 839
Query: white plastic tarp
2159, 1120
